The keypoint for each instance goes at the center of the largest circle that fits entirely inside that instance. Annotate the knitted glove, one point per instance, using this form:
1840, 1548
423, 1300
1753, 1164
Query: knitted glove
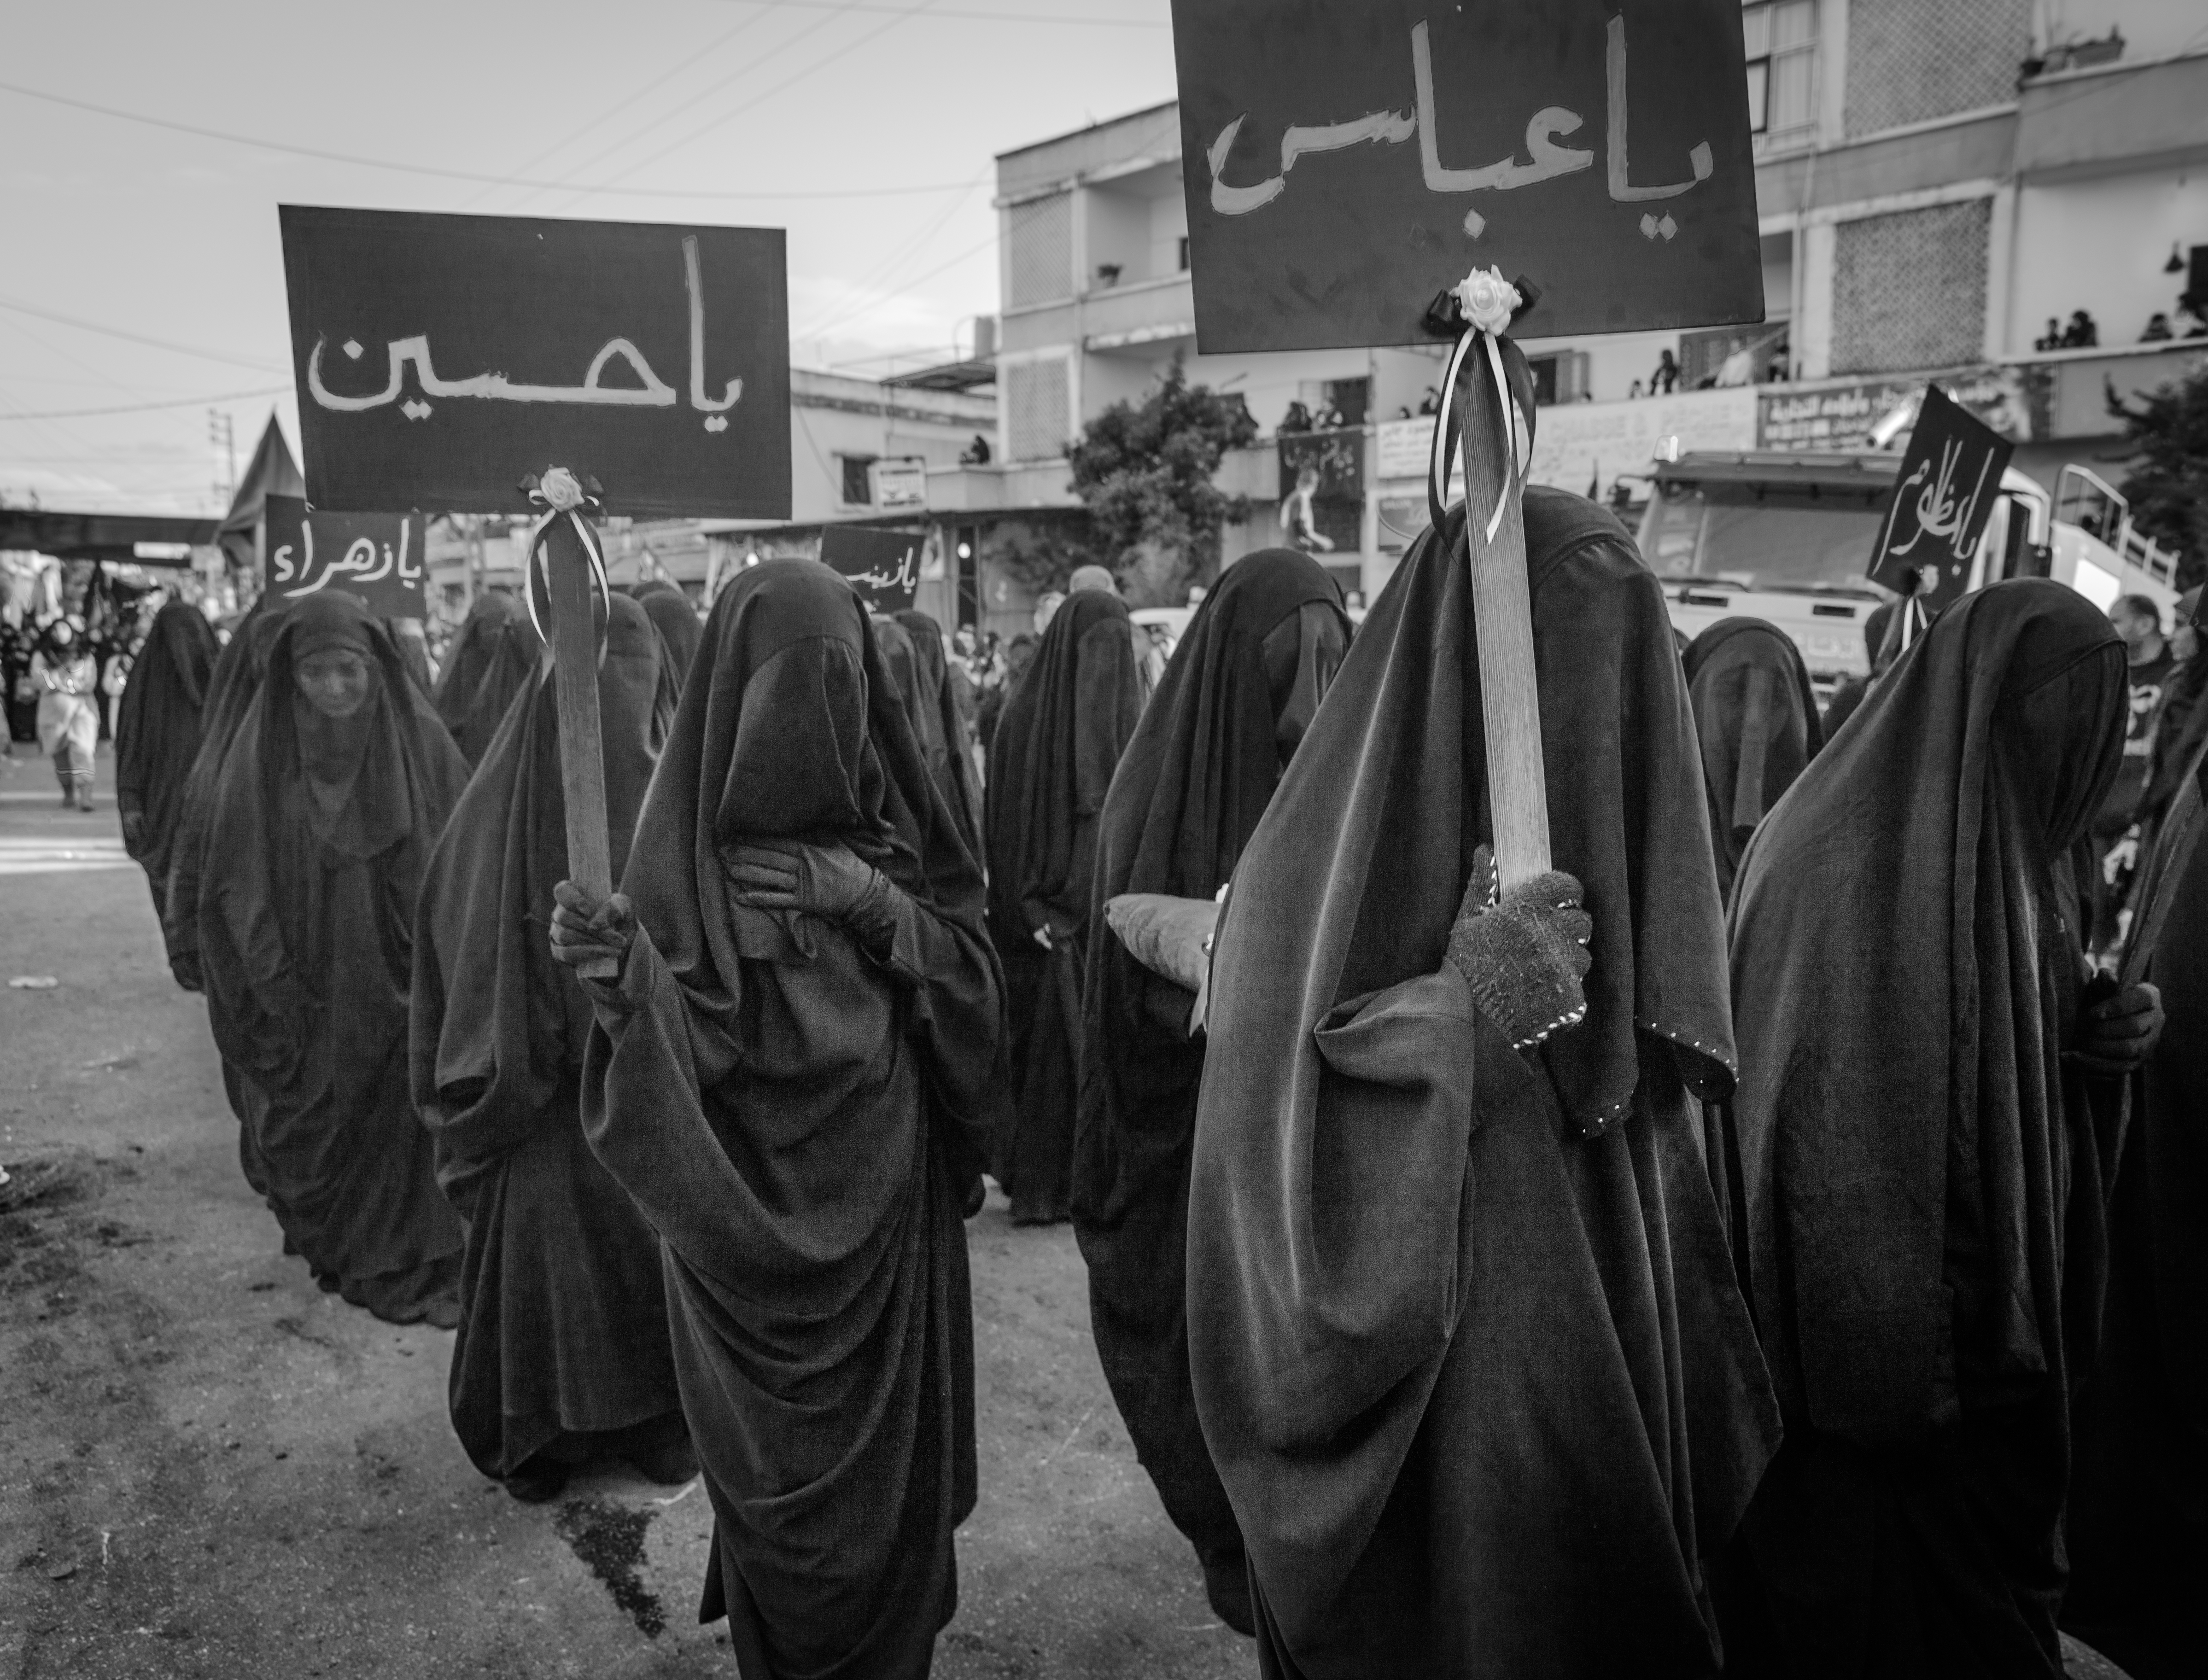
1523, 958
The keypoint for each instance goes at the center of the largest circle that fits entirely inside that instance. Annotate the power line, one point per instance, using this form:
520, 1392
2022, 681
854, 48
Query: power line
470, 176
986, 17
148, 408
10, 303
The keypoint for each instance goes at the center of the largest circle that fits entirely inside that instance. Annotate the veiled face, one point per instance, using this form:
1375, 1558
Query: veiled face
334, 680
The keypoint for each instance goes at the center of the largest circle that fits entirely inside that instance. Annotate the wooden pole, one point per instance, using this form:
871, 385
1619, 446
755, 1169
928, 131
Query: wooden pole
575, 680
1502, 618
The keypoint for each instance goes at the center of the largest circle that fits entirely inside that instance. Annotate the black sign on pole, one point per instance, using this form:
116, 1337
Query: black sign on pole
440, 358
380, 557
1346, 160
1949, 479
882, 566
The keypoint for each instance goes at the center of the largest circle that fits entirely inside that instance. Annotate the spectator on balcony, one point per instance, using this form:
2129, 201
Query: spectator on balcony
2158, 329
2052, 338
1297, 419
2082, 333
1666, 379
1431, 402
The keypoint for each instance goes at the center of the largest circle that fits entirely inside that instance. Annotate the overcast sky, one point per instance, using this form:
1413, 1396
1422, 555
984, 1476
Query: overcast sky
164, 236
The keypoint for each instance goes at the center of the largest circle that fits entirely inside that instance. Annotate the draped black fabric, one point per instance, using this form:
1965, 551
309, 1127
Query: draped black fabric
510, 654
1237, 696
238, 672
798, 1120
677, 622
563, 1326
1755, 716
903, 662
1056, 747
944, 735
157, 735
468, 656
2137, 1526
1924, 1173
1466, 1342
317, 835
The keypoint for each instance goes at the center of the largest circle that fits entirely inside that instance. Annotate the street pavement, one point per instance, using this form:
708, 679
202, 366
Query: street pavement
209, 1469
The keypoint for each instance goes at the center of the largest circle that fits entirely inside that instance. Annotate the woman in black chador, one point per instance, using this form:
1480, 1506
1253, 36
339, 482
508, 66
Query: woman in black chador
1242, 687
787, 1075
157, 735
1050, 766
1929, 1104
337, 785
563, 1354
1755, 716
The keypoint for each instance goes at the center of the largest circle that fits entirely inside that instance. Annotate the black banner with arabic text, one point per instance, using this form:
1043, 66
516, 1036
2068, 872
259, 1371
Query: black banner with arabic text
883, 565
439, 358
380, 557
1346, 160
1942, 498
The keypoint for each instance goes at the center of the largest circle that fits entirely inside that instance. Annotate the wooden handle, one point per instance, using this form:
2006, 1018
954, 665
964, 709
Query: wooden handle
582, 753
1502, 619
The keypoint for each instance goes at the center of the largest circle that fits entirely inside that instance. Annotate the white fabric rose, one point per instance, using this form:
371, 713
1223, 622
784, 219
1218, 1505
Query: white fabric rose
1487, 299
560, 489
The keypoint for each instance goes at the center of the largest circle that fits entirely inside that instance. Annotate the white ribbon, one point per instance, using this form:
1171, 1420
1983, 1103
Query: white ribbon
541, 561
1516, 452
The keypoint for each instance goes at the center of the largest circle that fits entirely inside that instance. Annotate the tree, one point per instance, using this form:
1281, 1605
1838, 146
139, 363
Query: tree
1145, 470
2167, 435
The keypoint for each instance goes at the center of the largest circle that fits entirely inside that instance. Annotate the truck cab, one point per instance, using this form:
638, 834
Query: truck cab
1788, 538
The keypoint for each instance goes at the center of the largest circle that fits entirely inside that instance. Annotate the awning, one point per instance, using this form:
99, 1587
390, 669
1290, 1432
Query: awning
105, 536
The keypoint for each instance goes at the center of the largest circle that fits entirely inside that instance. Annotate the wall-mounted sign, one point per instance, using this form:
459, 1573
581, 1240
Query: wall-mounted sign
439, 358
883, 565
380, 557
1840, 417
900, 481
1346, 160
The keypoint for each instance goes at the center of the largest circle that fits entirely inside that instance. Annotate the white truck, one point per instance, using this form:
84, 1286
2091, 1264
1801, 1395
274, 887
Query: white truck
1788, 538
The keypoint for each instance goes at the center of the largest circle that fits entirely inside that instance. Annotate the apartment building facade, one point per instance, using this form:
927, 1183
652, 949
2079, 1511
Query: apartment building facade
1936, 183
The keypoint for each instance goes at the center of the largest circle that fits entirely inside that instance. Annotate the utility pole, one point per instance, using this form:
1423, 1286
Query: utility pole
226, 445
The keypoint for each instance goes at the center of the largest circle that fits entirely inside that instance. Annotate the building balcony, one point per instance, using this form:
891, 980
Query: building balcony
1106, 318
2114, 116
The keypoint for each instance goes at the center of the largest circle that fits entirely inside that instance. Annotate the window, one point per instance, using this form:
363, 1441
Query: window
1780, 38
857, 492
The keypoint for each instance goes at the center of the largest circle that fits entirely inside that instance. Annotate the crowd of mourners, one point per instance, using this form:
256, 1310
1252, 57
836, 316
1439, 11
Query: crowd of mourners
1771, 1242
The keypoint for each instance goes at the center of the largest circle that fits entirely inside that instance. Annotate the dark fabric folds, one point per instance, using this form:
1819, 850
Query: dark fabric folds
677, 622
157, 737
318, 834
238, 672
1755, 716
799, 1120
510, 654
1050, 766
563, 1327
1239, 692
945, 736
1466, 1342
1924, 1175
468, 655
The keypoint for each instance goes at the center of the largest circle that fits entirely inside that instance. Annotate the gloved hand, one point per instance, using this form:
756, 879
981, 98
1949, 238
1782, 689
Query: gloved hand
2117, 1034
134, 829
826, 881
185, 965
584, 929
1523, 958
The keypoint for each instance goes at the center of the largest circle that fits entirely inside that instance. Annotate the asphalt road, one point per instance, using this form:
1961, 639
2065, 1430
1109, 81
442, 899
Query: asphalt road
208, 1467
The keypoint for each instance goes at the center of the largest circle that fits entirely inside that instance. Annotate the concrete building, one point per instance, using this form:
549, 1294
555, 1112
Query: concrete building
1936, 183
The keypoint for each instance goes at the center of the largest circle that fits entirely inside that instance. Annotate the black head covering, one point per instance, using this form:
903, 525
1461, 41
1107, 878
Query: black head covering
510, 655
469, 656
1059, 740
1390, 1211
238, 671
677, 622
1905, 971
1198, 774
159, 732
943, 736
1756, 716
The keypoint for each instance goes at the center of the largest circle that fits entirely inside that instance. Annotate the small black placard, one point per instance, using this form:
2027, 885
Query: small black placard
1346, 160
1950, 475
883, 565
439, 358
380, 557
